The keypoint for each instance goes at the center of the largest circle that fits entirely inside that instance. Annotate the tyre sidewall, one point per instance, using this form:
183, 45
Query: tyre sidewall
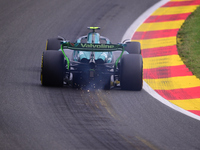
52, 68
131, 72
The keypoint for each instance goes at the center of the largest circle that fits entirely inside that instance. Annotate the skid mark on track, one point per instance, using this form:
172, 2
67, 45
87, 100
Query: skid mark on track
104, 102
147, 145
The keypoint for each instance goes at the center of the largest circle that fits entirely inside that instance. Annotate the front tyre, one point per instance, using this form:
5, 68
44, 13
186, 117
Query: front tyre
131, 72
53, 44
133, 47
52, 68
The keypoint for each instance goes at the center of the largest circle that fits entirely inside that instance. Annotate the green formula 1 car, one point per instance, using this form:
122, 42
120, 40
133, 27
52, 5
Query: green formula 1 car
92, 62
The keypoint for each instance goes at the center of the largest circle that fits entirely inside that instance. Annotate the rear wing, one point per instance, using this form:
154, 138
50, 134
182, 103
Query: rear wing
92, 47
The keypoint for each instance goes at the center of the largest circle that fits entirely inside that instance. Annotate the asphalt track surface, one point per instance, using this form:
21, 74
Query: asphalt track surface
33, 117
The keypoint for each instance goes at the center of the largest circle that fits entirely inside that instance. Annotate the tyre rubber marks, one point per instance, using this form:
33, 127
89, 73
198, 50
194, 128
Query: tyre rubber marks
164, 70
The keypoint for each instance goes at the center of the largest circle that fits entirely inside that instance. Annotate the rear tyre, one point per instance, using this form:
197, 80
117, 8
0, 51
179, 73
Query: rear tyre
53, 44
131, 72
52, 68
133, 47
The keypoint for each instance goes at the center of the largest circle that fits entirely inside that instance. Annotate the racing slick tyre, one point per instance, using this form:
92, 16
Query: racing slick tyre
52, 68
133, 47
131, 72
53, 44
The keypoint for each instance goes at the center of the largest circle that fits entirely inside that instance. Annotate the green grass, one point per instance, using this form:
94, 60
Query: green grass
188, 42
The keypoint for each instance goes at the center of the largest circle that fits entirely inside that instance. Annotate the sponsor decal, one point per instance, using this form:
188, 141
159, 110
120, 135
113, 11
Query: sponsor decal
103, 46
74, 44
